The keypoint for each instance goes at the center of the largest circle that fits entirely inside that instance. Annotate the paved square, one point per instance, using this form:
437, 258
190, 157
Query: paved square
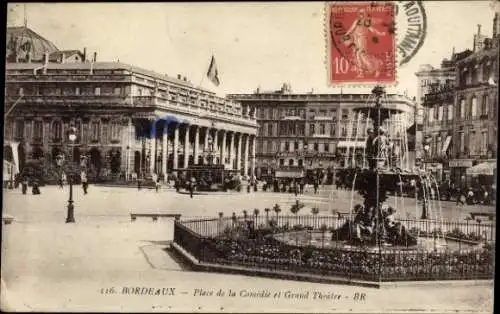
49, 265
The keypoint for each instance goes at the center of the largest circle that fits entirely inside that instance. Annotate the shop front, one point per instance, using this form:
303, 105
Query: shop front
458, 169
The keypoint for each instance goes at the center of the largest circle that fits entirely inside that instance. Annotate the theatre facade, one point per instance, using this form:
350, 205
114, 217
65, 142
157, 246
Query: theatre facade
127, 119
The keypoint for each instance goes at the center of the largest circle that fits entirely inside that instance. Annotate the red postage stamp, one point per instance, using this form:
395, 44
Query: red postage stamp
361, 43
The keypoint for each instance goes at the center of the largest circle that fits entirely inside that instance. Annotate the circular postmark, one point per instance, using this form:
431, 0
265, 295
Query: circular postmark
411, 23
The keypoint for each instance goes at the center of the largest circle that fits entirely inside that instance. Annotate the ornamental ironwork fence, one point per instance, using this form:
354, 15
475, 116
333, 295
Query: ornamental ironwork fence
270, 242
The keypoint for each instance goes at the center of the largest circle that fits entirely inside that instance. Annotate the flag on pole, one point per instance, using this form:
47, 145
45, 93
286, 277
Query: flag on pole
212, 73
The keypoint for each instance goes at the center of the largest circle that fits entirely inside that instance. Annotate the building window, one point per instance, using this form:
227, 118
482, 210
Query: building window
430, 115
290, 162
472, 142
462, 108
264, 146
296, 145
139, 92
283, 128
332, 129
115, 131
287, 146
270, 129
327, 147
322, 129
118, 91
354, 131
484, 142
77, 91
474, 107
333, 113
484, 105
343, 131
282, 162
301, 129
95, 130
97, 91
19, 129
311, 129
38, 130
462, 142
345, 114
57, 130
322, 112
450, 112
439, 146
291, 128
316, 147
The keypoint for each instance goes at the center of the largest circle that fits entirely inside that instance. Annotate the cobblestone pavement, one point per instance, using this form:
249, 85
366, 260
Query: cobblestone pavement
49, 265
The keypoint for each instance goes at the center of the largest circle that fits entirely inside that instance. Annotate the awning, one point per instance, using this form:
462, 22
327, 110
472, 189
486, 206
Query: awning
289, 174
446, 144
484, 168
351, 144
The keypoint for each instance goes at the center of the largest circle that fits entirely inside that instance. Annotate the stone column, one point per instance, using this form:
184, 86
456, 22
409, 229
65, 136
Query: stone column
152, 154
216, 138
231, 151
223, 148
164, 150
196, 152
254, 141
245, 156
238, 154
186, 147
205, 144
130, 151
176, 147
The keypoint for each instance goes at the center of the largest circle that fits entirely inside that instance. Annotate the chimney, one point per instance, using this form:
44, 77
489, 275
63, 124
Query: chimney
479, 29
178, 76
184, 79
84, 54
63, 57
95, 56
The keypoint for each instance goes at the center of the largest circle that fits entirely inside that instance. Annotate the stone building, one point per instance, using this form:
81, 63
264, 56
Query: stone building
315, 131
431, 80
475, 122
127, 119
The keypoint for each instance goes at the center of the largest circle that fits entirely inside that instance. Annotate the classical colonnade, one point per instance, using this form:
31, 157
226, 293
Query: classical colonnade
190, 144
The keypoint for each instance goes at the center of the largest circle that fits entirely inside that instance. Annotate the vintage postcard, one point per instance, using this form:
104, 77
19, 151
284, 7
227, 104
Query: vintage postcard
250, 157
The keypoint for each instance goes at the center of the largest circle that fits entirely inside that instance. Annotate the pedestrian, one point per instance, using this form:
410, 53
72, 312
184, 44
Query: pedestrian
24, 185
85, 184
301, 185
156, 181
35, 190
316, 185
460, 196
192, 185
295, 187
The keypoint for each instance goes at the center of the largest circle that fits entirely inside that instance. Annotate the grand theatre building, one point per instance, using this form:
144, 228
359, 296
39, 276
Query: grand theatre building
128, 119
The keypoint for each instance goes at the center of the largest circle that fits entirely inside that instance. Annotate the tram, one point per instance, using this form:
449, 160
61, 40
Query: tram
209, 178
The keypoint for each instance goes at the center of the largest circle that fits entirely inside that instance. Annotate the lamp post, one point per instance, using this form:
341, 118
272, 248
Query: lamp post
70, 218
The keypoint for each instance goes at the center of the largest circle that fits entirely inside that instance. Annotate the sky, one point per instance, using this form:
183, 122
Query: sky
254, 44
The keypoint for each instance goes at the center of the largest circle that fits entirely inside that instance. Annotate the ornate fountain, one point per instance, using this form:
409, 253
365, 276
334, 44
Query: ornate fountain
384, 172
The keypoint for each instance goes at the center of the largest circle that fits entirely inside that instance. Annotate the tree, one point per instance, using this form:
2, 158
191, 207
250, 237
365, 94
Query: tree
277, 210
267, 209
256, 214
245, 214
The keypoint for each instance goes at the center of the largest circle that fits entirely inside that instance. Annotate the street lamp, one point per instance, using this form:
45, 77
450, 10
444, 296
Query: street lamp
70, 215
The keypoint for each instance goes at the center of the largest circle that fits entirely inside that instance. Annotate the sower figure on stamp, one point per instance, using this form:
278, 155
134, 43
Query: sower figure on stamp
356, 39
